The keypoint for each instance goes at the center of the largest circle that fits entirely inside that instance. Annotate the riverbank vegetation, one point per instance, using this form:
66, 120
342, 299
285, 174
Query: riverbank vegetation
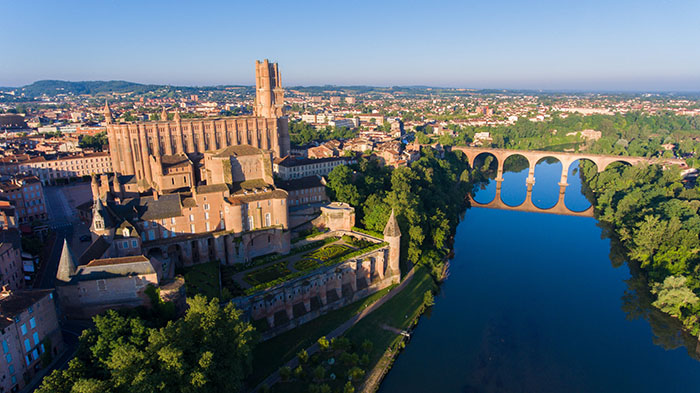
270, 355
654, 217
428, 199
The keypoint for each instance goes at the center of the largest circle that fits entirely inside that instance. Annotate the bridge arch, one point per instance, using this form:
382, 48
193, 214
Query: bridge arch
483, 158
607, 164
515, 174
574, 199
542, 184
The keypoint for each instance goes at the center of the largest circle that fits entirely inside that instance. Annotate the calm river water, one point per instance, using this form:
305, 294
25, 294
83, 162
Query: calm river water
533, 304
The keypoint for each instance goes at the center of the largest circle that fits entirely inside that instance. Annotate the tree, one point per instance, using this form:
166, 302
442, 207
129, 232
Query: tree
428, 299
285, 373
319, 373
96, 141
673, 295
303, 356
323, 343
341, 186
348, 388
208, 349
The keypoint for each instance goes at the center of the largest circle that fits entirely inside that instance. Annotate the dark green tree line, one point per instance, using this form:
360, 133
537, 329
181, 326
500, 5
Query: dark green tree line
209, 349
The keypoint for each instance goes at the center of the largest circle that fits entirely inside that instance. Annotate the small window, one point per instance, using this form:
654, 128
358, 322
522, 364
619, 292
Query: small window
101, 285
32, 323
23, 328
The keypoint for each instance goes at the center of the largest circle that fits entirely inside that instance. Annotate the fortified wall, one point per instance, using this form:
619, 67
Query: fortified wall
327, 288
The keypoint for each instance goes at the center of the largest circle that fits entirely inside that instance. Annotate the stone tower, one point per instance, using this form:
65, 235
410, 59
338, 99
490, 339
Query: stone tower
392, 235
269, 95
108, 114
101, 223
66, 265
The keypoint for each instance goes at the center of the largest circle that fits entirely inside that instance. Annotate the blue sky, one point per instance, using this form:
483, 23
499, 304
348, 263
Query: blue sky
591, 45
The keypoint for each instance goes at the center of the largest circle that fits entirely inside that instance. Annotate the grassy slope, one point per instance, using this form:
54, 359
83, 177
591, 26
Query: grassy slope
270, 355
399, 312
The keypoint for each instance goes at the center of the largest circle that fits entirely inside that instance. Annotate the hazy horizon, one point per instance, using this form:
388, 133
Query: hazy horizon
628, 46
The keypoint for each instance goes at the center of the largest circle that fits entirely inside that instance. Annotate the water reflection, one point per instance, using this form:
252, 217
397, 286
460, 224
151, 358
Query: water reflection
538, 302
547, 177
545, 191
515, 170
574, 190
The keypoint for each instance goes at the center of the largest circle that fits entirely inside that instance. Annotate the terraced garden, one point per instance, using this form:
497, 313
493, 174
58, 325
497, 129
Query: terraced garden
313, 259
266, 274
300, 261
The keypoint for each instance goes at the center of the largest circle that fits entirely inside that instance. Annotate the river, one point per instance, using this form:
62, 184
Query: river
534, 304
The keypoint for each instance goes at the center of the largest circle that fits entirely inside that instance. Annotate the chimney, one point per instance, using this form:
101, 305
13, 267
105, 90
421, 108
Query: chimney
155, 195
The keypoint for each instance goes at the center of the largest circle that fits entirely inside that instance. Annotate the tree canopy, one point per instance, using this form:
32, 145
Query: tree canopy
428, 198
209, 349
655, 218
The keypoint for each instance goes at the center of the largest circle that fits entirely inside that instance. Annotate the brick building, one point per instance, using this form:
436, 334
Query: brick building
8, 215
29, 332
310, 189
26, 193
11, 272
288, 168
66, 167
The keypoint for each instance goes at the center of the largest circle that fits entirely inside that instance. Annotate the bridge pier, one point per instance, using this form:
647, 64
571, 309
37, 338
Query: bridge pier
497, 198
531, 173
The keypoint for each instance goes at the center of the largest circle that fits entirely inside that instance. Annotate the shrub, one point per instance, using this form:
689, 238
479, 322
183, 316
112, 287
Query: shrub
348, 388
303, 356
428, 298
319, 373
285, 373
323, 343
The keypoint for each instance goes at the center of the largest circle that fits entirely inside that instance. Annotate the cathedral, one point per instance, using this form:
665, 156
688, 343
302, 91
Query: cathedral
183, 192
149, 151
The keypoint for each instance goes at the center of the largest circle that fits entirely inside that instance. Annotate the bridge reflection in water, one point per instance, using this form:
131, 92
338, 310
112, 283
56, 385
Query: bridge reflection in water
528, 206
533, 157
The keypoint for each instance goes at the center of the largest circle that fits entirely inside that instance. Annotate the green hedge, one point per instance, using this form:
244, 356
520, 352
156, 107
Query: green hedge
368, 232
265, 259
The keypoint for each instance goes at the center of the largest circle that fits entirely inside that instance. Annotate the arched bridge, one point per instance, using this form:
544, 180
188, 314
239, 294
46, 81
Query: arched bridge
566, 159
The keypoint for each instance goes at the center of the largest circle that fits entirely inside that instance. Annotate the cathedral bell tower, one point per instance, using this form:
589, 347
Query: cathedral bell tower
269, 95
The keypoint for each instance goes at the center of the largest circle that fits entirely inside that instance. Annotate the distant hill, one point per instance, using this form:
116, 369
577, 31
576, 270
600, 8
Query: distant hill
53, 87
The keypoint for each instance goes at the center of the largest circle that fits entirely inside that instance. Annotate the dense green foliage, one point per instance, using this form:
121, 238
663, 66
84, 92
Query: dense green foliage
633, 134
655, 218
301, 133
428, 198
208, 350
